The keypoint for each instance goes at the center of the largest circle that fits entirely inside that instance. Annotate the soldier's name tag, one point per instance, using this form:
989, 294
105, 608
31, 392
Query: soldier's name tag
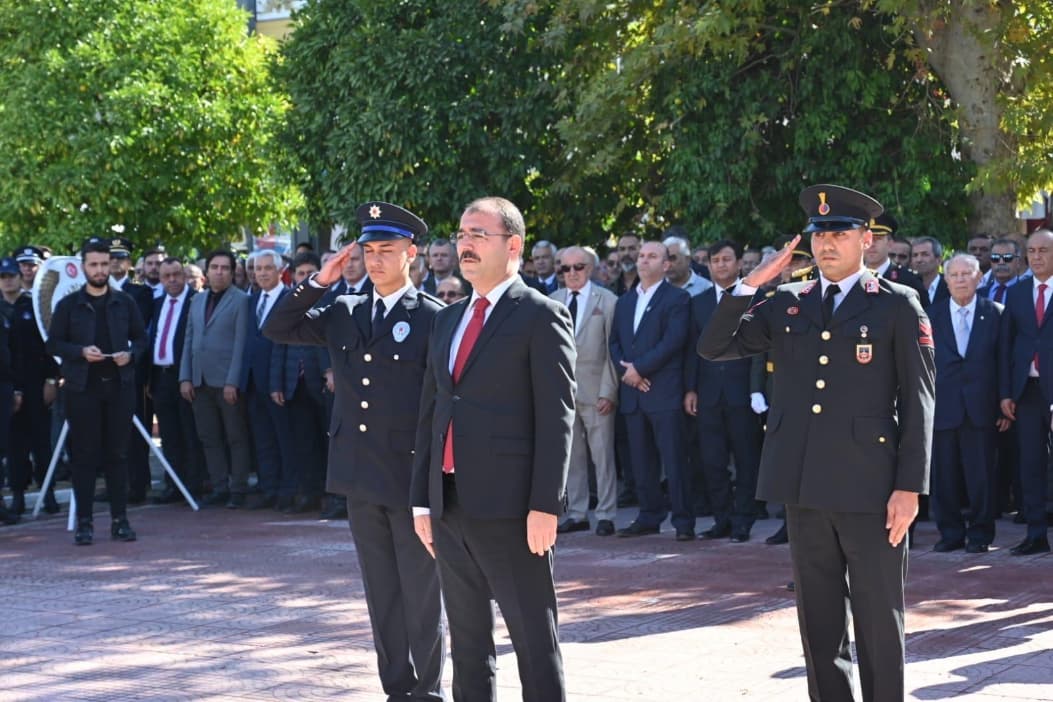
864, 353
400, 331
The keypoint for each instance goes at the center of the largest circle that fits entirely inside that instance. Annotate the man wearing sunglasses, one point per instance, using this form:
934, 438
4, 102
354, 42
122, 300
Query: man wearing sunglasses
451, 290
1005, 270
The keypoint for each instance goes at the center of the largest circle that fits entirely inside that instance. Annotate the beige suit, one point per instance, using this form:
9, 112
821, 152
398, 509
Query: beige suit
593, 432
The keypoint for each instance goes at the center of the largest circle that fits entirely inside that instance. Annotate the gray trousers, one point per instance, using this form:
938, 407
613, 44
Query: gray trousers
223, 427
593, 436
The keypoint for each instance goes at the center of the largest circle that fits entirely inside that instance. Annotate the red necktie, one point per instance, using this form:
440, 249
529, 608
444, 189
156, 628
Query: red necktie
1040, 311
471, 335
162, 353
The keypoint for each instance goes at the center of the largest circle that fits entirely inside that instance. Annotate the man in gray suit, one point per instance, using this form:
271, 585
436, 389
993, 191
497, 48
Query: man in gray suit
592, 312
209, 373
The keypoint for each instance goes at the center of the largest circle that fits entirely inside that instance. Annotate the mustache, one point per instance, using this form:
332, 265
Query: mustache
468, 256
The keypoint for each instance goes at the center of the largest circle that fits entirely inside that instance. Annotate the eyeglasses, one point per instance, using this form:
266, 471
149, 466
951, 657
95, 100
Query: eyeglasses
899, 257
579, 267
476, 236
999, 258
448, 295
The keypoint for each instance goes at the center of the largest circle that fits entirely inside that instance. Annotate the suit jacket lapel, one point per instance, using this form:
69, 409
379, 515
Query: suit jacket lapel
505, 306
585, 309
981, 318
223, 302
656, 299
943, 327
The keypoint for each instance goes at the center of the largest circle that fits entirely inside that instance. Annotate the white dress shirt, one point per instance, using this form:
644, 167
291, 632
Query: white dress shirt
390, 300
844, 285
643, 299
264, 306
167, 308
932, 287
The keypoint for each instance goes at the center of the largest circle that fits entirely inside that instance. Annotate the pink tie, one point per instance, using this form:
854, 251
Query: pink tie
471, 335
163, 352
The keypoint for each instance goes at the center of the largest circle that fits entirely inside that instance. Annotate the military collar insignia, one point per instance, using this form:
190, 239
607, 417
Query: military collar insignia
870, 285
808, 288
374, 211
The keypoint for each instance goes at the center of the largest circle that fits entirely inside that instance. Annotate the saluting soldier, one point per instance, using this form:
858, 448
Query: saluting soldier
378, 344
848, 440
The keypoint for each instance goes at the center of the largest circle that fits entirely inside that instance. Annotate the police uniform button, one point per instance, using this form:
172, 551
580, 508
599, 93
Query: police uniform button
368, 357
881, 439
787, 330
343, 348
817, 409
395, 357
361, 427
825, 336
365, 381
820, 383
365, 405
823, 360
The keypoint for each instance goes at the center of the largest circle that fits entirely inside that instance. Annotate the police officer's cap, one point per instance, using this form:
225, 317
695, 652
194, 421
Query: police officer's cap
120, 247
30, 254
802, 250
97, 244
382, 221
884, 225
833, 208
8, 266
156, 249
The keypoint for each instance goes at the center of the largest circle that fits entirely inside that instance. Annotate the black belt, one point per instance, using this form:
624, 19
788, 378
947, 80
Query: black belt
166, 369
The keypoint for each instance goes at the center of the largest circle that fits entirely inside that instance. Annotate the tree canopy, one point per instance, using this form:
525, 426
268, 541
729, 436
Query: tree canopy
154, 118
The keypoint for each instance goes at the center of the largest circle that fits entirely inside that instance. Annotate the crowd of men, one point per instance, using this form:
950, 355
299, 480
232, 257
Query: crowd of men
656, 425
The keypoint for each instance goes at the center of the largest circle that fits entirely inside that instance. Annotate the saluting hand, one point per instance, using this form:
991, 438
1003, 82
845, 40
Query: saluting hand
541, 531
773, 266
333, 269
901, 510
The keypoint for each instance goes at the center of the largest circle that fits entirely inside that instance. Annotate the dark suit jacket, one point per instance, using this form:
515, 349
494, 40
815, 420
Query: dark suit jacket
256, 365
725, 383
143, 296
942, 293
905, 276
656, 348
512, 410
378, 384
178, 330
1022, 338
967, 387
851, 416
429, 285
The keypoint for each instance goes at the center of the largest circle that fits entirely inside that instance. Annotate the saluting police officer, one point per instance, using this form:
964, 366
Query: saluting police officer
848, 440
379, 348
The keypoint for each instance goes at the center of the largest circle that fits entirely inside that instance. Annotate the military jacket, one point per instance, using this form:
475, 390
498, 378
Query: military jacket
378, 382
851, 410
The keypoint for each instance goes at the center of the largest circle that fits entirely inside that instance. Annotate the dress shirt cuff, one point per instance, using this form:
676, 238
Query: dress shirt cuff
742, 289
313, 284
421, 512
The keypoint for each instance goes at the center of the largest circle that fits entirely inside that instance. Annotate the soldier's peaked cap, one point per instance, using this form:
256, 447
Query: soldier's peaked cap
834, 208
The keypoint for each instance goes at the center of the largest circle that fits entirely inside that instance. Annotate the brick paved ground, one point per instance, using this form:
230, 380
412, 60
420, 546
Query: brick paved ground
224, 605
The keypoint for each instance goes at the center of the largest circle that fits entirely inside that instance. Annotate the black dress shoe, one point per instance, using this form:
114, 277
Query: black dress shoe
637, 529
136, 497
791, 586
335, 508
604, 527
85, 534
121, 530
1019, 518
236, 501
18, 503
1029, 547
717, 531
685, 534
947, 545
779, 537
976, 548
569, 525
740, 537
261, 502
215, 499
51, 505
7, 516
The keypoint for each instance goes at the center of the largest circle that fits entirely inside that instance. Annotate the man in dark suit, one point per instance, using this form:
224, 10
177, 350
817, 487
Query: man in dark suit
544, 256
926, 254
848, 438
1025, 383
492, 453
966, 334
380, 345
877, 257
175, 416
276, 467
718, 395
647, 343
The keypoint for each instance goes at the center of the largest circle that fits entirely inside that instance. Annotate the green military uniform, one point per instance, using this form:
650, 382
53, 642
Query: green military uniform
850, 421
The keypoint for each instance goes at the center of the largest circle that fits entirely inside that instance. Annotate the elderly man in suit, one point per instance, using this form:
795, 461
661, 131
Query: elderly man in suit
209, 377
276, 466
1026, 383
175, 416
647, 347
380, 345
492, 452
592, 311
966, 332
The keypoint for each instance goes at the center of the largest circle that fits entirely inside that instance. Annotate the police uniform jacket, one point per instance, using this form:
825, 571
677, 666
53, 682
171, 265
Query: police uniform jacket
73, 328
852, 407
31, 360
377, 384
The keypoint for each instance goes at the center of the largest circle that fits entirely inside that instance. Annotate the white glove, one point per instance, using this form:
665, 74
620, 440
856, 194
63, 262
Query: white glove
758, 403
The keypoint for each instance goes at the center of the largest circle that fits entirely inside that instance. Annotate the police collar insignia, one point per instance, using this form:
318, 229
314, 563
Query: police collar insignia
871, 286
808, 288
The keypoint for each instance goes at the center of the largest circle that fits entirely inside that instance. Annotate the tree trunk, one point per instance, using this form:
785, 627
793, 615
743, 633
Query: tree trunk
963, 48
